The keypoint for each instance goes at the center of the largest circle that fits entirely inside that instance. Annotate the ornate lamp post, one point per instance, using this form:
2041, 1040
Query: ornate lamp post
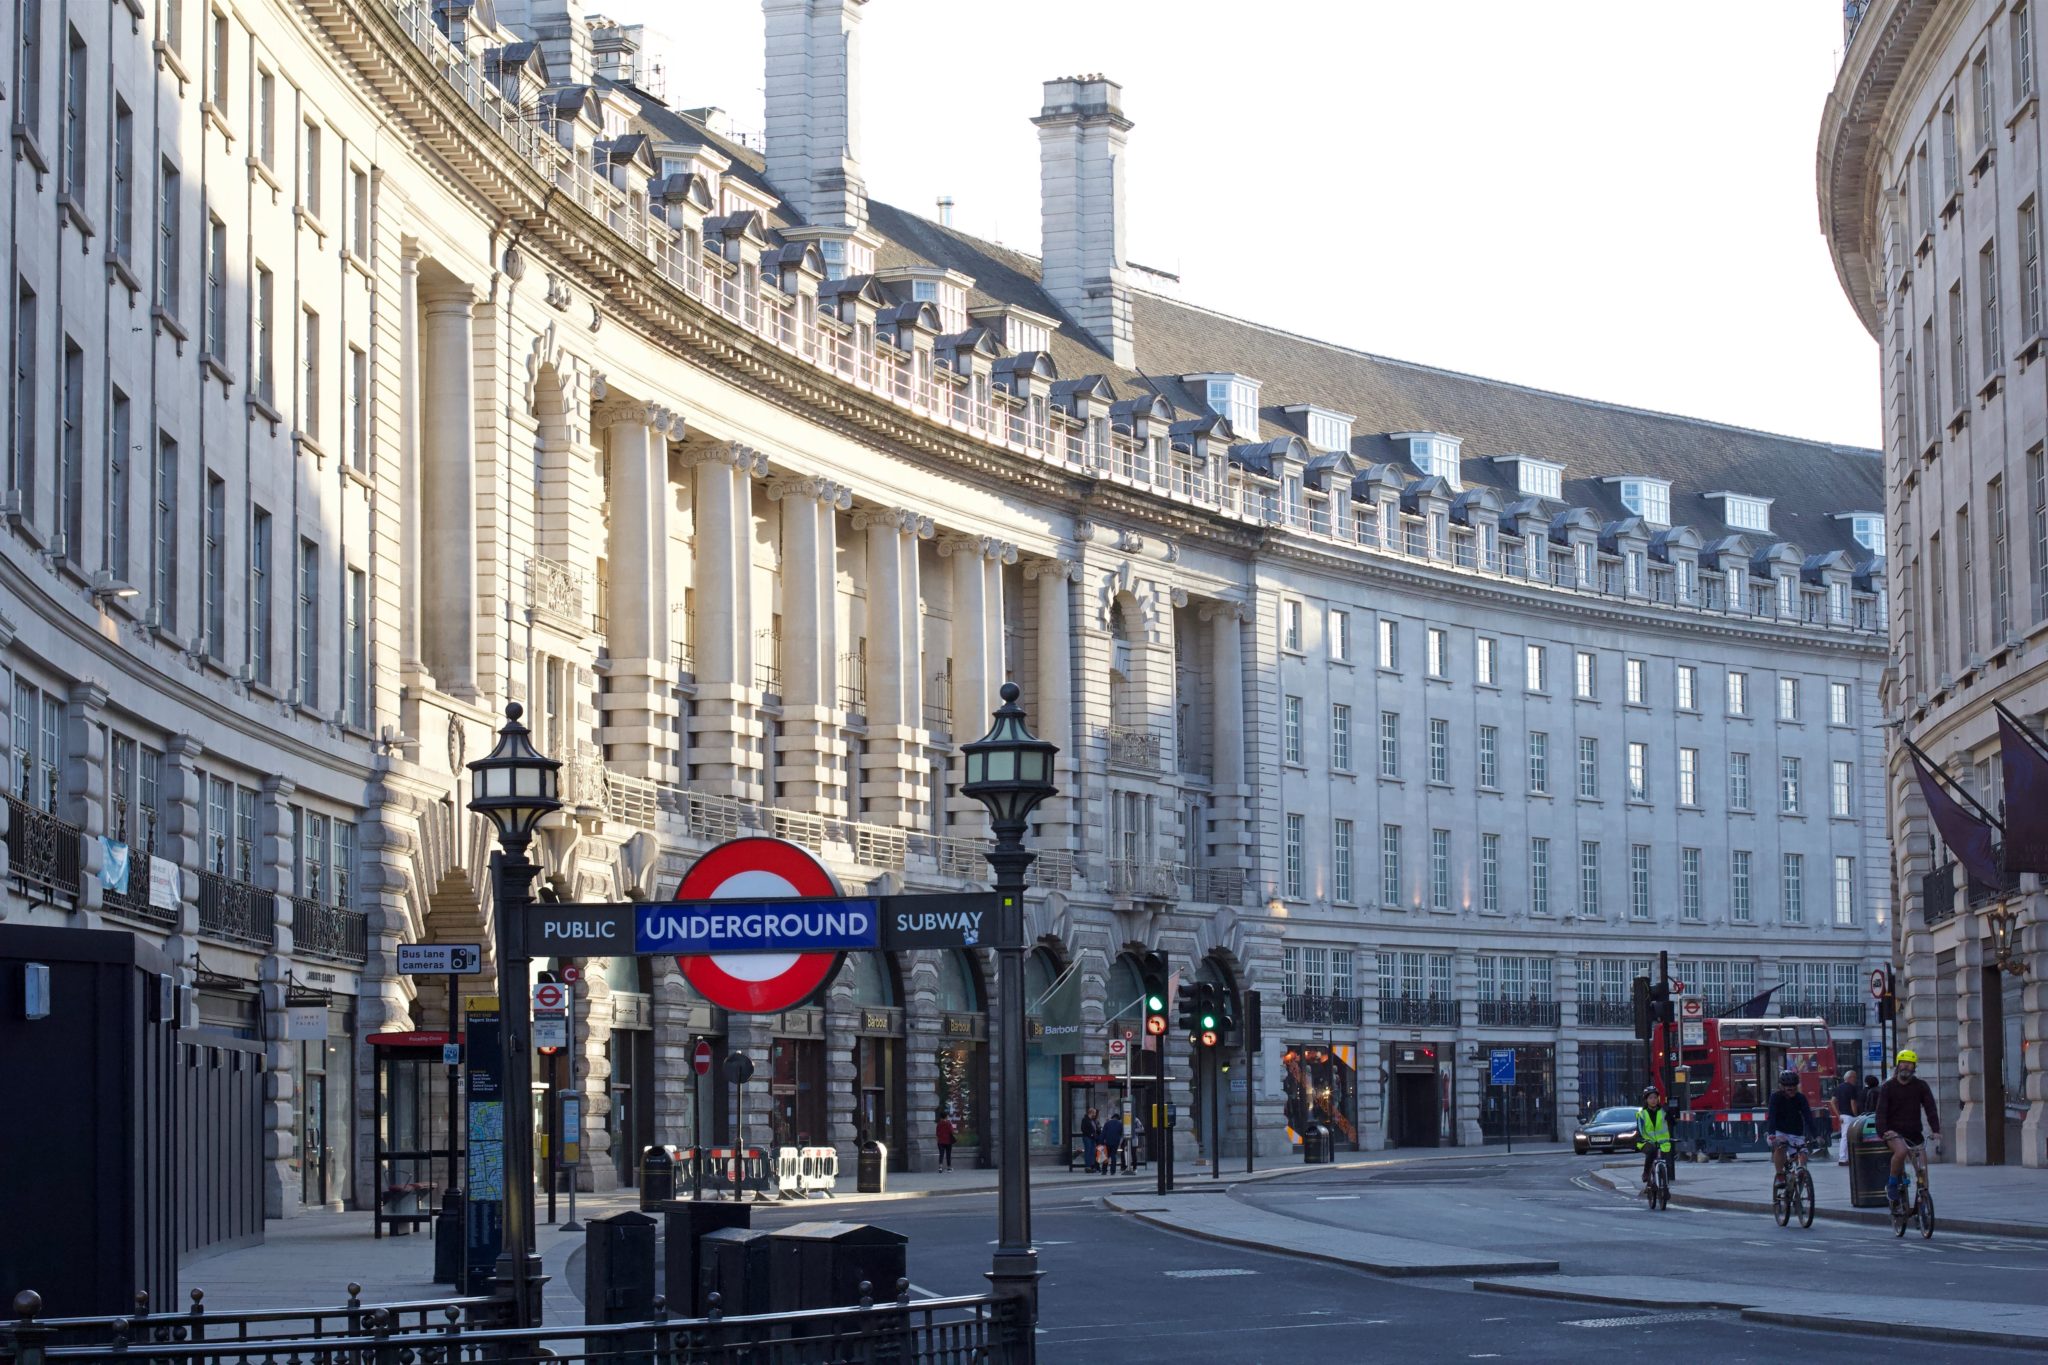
1009, 770
514, 786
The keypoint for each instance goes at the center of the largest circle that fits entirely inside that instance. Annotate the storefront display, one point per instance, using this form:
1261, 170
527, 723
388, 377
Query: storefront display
1321, 1087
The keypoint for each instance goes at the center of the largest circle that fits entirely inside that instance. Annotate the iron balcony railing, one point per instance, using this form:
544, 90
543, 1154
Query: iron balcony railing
1402, 1009
1313, 1007
1938, 894
134, 903
853, 682
938, 703
1607, 1013
682, 630
558, 590
236, 912
1518, 1013
44, 853
329, 931
1146, 880
1135, 746
1218, 885
768, 661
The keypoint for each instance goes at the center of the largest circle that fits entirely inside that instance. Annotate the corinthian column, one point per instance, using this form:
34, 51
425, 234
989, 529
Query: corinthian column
637, 704
1226, 730
1051, 703
448, 493
977, 654
896, 769
723, 726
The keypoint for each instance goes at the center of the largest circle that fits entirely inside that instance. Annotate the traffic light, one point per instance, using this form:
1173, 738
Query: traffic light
1641, 1000
1154, 975
1226, 1012
1191, 1009
1208, 1016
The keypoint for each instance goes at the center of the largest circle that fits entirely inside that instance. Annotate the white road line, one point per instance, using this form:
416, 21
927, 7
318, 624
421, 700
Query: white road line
1330, 1198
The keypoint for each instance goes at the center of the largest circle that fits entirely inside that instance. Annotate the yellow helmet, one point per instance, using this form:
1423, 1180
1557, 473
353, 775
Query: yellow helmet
1906, 1055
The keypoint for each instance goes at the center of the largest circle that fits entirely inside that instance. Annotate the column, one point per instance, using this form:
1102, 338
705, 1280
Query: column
1226, 730
1467, 1096
1049, 705
977, 563
724, 725
810, 739
85, 784
410, 482
1973, 1117
282, 1189
387, 853
637, 704
894, 780
448, 552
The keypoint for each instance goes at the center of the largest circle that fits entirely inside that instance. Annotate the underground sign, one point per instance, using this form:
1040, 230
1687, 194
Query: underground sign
758, 869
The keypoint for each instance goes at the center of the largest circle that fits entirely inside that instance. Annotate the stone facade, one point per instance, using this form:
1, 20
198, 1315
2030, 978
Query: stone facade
377, 369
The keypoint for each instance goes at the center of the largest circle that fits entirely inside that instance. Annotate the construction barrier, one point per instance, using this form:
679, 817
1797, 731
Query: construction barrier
732, 1171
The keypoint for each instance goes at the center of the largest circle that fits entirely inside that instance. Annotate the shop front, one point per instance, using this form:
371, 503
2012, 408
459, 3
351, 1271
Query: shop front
1418, 1096
878, 1043
1320, 1085
323, 1037
1526, 1110
629, 1050
1042, 1068
796, 1080
963, 1058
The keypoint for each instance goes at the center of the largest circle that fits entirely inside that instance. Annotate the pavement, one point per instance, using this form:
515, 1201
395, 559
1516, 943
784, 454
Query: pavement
1994, 1201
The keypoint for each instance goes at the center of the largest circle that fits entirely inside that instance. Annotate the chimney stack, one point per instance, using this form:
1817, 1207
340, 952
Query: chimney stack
814, 109
1081, 134
562, 31
945, 210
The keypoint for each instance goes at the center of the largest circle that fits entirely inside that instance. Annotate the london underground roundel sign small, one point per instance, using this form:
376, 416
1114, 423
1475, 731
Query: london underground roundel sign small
757, 869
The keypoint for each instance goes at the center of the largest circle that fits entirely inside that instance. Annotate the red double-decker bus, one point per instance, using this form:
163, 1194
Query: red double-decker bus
1731, 1067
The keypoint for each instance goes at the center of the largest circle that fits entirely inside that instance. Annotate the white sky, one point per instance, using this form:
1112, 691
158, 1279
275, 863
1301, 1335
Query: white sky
1612, 198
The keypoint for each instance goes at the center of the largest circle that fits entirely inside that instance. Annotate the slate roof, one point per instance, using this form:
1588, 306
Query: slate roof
1810, 481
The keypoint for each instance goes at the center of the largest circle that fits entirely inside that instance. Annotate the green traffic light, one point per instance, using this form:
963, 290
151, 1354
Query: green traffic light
1156, 1003
1208, 1021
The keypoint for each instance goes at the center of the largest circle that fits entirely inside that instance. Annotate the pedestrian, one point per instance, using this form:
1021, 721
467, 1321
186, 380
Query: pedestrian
1870, 1092
1847, 1103
1091, 1129
945, 1136
1113, 1143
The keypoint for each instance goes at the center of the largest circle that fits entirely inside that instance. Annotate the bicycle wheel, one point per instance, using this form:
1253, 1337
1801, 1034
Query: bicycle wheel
1663, 1186
1802, 1198
1781, 1201
1926, 1213
1899, 1216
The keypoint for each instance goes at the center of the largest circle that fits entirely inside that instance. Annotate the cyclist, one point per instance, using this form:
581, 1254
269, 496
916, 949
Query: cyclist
1790, 1120
1900, 1103
1653, 1130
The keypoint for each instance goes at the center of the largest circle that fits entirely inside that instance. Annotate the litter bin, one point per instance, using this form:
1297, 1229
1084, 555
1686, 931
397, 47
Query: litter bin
1870, 1164
1316, 1144
448, 1239
874, 1168
687, 1222
733, 1264
823, 1265
657, 1175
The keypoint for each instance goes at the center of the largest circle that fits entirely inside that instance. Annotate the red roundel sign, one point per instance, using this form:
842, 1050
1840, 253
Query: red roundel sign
701, 1058
757, 869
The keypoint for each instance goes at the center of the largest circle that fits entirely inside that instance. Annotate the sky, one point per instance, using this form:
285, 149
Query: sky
1608, 198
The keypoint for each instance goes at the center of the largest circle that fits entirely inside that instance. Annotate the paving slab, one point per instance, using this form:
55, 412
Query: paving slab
1954, 1320
1991, 1201
1235, 1224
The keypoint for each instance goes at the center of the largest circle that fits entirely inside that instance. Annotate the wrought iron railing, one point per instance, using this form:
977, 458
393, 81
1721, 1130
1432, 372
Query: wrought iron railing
682, 629
43, 853
768, 661
236, 911
1938, 894
1146, 880
203, 1322
1518, 1013
1607, 1013
1402, 1009
329, 931
938, 703
853, 681
1311, 1007
134, 903
1219, 885
1135, 746
558, 590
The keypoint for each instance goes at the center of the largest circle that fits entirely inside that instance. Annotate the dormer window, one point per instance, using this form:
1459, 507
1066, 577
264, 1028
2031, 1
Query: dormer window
1434, 454
949, 298
1329, 430
1743, 512
833, 250
1536, 478
1868, 528
1234, 398
1649, 499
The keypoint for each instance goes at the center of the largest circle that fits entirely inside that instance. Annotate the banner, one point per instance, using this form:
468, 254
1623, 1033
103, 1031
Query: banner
1060, 1015
2026, 797
114, 865
1967, 837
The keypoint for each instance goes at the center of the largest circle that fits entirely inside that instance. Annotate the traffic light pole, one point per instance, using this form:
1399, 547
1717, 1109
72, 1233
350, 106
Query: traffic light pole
1668, 1017
1215, 1117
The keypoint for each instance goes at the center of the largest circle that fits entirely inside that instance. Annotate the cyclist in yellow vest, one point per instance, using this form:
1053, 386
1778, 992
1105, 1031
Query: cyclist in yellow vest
1653, 1130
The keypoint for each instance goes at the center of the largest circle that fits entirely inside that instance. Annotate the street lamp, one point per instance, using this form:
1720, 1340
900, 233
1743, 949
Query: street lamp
1009, 770
514, 787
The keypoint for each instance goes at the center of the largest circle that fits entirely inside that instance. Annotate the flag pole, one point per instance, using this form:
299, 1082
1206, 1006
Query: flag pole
1940, 775
2040, 745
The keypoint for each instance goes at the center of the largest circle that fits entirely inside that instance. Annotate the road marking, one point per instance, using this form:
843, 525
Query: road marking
1218, 1273
1643, 1320
1327, 1198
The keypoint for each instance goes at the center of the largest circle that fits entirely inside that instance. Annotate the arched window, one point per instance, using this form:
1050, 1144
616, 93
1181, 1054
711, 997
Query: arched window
871, 980
1126, 989
959, 985
1041, 969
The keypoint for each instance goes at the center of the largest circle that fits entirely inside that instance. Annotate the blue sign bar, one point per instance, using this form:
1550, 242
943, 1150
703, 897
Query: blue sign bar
747, 926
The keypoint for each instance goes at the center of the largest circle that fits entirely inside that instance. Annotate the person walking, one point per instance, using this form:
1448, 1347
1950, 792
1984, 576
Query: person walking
1091, 1132
945, 1137
1113, 1143
1847, 1103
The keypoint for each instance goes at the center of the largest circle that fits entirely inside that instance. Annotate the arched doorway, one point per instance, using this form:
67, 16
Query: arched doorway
630, 1052
963, 1057
878, 1098
1042, 1069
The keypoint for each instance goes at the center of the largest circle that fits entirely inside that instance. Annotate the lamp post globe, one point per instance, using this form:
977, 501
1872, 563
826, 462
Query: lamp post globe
514, 786
1009, 770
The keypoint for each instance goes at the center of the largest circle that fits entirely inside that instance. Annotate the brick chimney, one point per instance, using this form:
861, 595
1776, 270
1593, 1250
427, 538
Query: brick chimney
814, 109
1081, 134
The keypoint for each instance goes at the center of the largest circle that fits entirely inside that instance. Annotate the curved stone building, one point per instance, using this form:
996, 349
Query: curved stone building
379, 362
1930, 178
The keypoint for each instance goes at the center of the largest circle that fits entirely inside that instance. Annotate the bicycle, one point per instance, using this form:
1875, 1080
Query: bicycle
1658, 1190
1918, 1210
1792, 1191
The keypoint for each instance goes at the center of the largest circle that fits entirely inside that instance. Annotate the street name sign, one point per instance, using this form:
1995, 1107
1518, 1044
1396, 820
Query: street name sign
440, 959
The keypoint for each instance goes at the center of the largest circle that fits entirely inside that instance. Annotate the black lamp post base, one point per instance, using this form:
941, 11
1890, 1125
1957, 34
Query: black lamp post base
1014, 1278
507, 1276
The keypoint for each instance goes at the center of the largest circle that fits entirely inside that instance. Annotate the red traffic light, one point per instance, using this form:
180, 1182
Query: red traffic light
1155, 1023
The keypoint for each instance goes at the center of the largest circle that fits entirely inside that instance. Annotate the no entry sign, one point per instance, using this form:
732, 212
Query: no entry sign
701, 1058
759, 869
